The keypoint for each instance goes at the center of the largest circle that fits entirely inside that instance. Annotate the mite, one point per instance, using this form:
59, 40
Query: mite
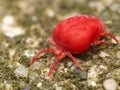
74, 36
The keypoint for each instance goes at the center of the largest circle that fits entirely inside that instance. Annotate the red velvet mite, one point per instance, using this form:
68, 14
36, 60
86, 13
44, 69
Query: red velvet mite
74, 36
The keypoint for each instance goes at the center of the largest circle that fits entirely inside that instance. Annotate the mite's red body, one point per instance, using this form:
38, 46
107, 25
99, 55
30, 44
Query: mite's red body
75, 35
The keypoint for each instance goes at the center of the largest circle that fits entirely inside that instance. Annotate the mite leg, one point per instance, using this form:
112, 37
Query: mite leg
51, 42
100, 42
109, 34
41, 51
58, 58
74, 60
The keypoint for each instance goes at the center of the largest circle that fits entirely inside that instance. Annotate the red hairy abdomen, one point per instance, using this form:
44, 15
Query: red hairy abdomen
77, 33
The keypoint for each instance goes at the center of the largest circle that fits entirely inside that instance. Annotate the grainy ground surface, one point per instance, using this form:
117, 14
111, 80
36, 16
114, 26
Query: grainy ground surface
24, 27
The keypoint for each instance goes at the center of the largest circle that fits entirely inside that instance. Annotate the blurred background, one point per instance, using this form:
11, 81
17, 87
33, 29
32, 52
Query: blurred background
24, 27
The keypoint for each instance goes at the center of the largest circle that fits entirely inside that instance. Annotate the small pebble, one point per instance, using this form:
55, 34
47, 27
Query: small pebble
8, 20
21, 71
8, 87
36, 66
10, 28
103, 54
69, 64
50, 13
58, 88
118, 54
39, 85
1, 76
91, 83
110, 84
117, 63
28, 53
92, 73
33, 76
101, 69
27, 87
